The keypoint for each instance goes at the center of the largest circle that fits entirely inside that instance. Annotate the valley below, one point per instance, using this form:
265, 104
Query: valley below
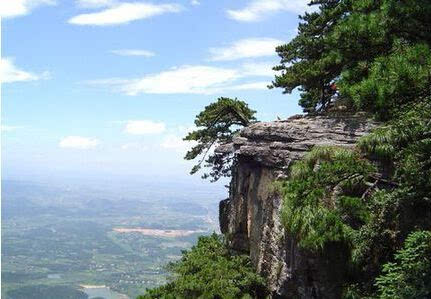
73, 241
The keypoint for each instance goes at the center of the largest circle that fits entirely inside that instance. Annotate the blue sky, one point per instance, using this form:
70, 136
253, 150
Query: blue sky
109, 87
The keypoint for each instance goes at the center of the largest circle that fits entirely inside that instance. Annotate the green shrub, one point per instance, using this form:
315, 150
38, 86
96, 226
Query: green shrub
409, 277
322, 197
209, 270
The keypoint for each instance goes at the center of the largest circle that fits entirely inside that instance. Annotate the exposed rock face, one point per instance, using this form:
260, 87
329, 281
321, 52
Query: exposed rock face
250, 216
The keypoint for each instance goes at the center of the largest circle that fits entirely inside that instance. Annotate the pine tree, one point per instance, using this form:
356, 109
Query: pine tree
377, 53
217, 124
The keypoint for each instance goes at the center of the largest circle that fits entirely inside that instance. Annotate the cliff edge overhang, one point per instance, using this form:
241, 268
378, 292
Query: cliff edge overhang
276, 144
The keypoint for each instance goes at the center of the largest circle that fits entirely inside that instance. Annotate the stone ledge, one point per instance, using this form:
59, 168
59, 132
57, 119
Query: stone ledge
275, 144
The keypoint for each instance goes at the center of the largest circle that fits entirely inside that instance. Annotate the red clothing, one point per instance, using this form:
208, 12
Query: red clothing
333, 87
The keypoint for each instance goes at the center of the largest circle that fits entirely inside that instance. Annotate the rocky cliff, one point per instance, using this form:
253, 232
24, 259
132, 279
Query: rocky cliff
250, 216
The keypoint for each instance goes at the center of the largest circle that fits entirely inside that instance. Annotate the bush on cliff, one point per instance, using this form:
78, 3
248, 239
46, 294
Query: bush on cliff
209, 270
403, 147
322, 199
410, 275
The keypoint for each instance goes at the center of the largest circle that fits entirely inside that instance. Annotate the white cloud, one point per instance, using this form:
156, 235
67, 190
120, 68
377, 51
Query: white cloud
185, 79
257, 10
95, 3
246, 48
195, 2
124, 13
172, 142
144, 127
78, 142
15, 8
197, 79
258, 69
10, 73
133, 52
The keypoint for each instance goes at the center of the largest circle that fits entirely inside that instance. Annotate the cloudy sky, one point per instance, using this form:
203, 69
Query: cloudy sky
102, 87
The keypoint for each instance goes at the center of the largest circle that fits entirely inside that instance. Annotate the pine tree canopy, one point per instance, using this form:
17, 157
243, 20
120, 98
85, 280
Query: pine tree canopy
217, 124
376, 53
